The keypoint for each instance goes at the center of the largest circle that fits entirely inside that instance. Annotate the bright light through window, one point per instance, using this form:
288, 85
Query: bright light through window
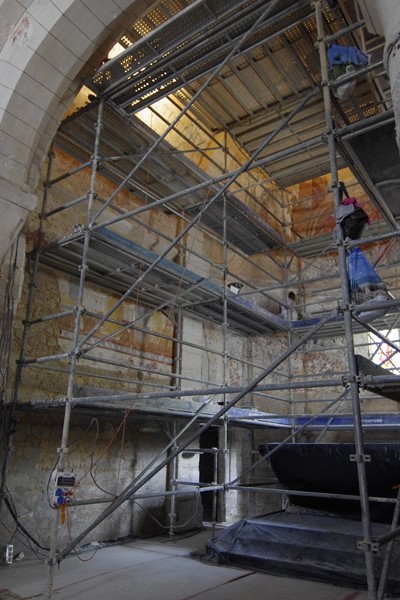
381, 353
115, 50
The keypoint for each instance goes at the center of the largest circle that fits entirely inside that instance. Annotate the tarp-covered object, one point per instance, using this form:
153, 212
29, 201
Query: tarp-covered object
327, 468
365, 285
315, 544
304, 545
366, 367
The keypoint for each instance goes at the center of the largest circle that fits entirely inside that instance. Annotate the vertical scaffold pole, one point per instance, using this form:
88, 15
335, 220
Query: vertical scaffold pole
352, 371
74, 354
223, 459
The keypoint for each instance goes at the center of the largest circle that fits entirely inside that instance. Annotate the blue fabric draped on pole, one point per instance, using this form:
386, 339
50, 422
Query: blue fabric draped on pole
346, 55
365, 284
344, 60
361, 272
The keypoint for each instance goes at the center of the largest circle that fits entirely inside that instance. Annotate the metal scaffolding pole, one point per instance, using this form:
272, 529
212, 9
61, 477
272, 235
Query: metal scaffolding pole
388, 553
358, 433
204, 86
196, 219
74, 355
136, 485
205, 392
164, 494
172, 474
330, 495
78, 349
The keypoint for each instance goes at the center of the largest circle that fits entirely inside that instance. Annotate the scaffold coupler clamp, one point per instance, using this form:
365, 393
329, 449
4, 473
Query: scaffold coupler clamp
360, 458
348, 379
364, 380
368, 546
342, 307
334, 185
79, 310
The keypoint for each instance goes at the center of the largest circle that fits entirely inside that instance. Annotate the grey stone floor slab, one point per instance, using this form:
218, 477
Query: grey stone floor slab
158, 569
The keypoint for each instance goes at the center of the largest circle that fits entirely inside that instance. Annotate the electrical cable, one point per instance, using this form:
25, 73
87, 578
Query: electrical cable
48, 485
197, 498
26, 543
16, 526
76, 553
11, 507
92, 462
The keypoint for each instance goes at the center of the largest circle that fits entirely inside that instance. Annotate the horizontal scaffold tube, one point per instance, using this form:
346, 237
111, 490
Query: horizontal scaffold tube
207, 392
245, 488
132, 488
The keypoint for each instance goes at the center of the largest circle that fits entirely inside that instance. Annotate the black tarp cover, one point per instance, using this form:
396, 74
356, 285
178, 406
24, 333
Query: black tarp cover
303, 545
387, 390
327, 468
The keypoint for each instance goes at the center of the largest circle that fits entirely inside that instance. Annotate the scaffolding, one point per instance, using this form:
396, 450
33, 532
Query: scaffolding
178, 280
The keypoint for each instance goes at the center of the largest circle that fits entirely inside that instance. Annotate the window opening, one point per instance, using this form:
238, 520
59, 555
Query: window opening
383, 354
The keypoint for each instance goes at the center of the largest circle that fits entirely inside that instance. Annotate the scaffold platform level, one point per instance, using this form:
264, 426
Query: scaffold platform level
115, 262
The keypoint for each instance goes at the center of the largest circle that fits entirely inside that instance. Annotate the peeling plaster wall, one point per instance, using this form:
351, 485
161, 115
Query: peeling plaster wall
105, 454
312, 210
132, 350
221, 153
135, 353
57, 292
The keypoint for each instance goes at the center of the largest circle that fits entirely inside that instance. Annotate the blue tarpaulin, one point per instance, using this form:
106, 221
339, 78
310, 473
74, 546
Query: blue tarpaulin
345, 55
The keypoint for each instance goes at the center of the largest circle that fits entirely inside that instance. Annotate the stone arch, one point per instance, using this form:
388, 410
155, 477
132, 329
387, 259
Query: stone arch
46, 49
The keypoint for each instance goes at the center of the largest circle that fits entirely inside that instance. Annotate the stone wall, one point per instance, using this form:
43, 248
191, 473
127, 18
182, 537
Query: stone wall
132, 360
105, 453
135, 360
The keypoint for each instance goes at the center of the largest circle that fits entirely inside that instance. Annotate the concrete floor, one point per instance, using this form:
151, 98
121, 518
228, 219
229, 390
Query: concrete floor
158, 569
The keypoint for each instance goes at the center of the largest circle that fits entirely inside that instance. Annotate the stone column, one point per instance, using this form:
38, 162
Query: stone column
383, 18
15, 206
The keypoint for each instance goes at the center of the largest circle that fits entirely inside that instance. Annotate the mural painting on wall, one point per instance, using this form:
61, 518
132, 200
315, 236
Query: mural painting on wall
312, 205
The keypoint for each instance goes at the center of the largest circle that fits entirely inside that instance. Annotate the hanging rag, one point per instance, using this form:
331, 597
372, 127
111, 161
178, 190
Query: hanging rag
350, 216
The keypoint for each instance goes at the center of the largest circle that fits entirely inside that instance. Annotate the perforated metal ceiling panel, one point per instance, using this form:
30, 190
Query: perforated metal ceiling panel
178, 44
